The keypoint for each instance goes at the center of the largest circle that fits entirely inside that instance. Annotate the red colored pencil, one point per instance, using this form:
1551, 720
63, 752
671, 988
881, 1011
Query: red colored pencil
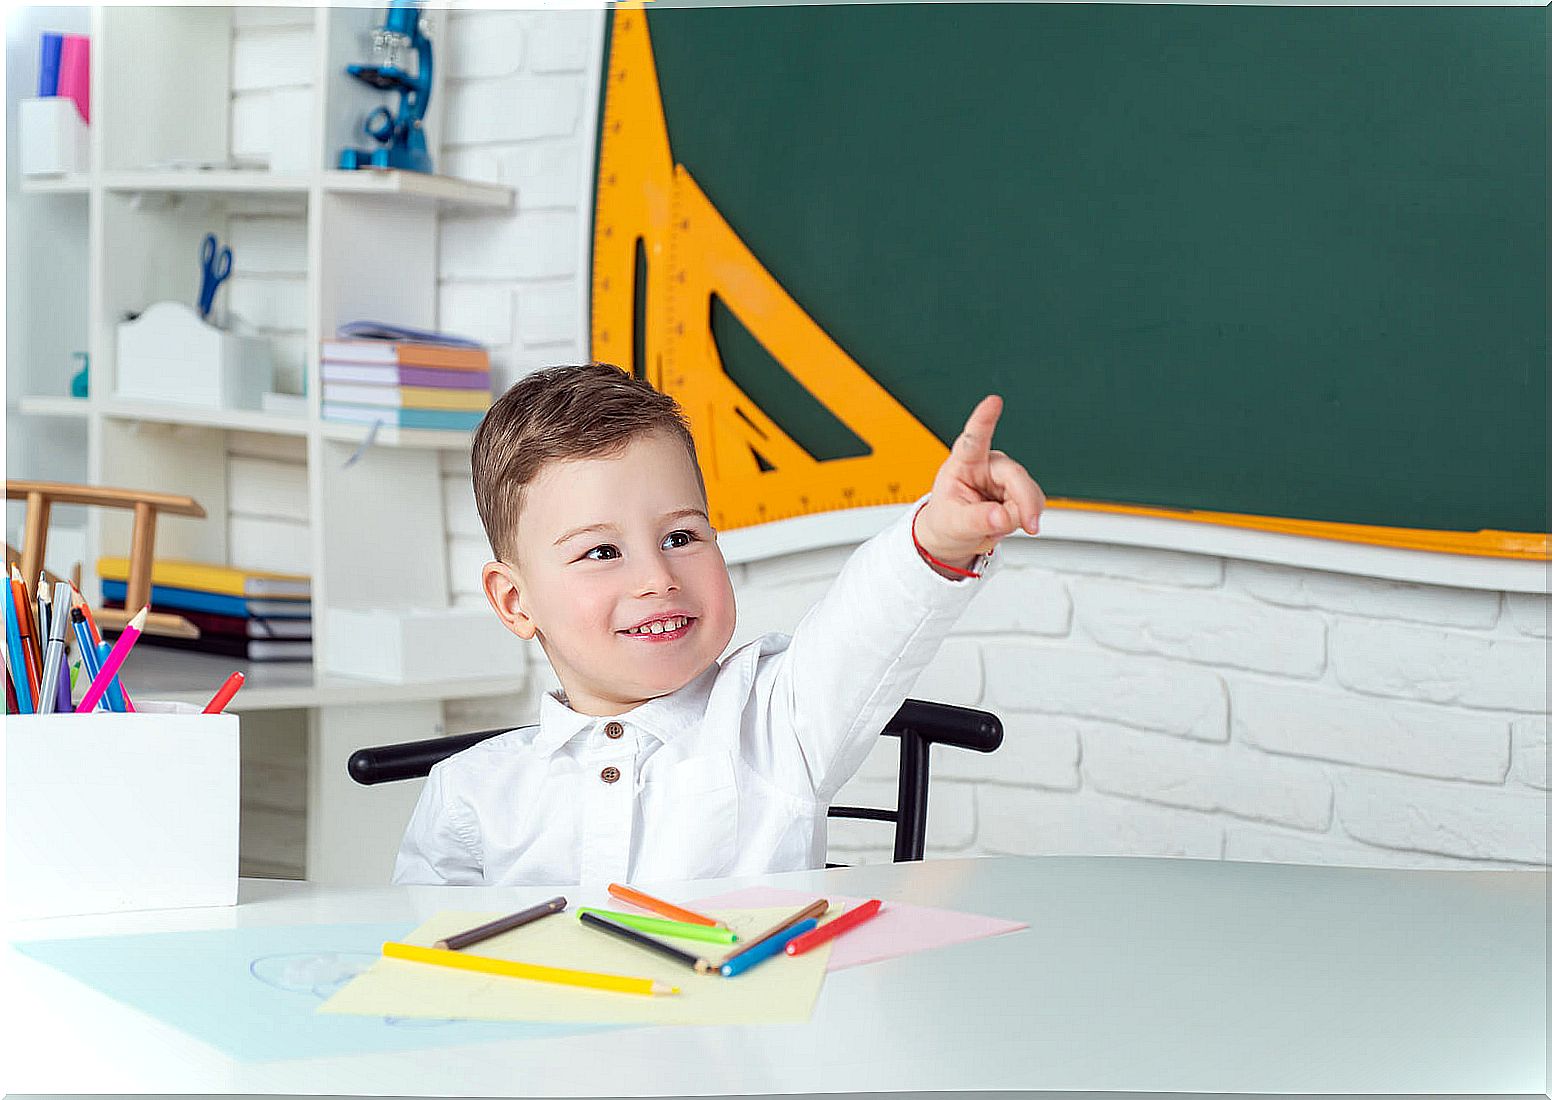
843, 923
222, 697
662, 908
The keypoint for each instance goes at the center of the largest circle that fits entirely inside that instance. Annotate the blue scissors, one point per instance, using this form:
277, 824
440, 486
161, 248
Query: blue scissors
215, 264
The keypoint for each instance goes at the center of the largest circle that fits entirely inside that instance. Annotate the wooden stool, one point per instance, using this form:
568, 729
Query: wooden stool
41, 496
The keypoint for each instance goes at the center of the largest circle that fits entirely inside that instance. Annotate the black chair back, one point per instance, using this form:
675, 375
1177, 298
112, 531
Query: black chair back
919, 725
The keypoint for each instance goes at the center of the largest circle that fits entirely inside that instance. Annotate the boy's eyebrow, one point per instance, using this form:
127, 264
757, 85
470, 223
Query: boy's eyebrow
680, 514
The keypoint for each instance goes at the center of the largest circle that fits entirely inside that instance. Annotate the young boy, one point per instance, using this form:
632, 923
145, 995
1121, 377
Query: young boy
655, 761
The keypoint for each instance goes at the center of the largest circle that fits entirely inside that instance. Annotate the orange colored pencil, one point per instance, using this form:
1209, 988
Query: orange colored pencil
26, 622
662, 908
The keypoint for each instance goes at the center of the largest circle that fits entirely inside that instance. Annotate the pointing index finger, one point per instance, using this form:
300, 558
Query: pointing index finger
975, 441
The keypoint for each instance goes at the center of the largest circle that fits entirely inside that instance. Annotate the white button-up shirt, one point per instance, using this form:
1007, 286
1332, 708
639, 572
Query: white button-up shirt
729, 775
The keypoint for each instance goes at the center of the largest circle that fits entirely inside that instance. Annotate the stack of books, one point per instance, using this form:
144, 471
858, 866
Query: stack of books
406, 383
255, 616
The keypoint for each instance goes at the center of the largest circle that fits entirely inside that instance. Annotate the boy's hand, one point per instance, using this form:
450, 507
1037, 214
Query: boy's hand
979, 497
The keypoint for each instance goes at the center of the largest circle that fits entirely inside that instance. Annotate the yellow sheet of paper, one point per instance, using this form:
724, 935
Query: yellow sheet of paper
780, 990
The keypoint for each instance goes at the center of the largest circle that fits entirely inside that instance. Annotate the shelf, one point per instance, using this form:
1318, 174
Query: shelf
445, 191
70, 407
344, 431
73, 184
220, 181
449, 193
200, 416
177, 676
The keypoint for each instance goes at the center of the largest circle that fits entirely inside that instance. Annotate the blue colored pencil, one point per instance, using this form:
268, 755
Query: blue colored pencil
775, 945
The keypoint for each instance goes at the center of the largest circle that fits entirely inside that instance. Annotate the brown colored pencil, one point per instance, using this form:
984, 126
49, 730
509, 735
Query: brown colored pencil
814, 909
501, 924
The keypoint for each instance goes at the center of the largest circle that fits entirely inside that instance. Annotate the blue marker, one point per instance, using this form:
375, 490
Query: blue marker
762, 951
48, 64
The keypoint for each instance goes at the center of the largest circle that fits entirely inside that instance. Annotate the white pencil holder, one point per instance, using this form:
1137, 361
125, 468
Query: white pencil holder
169, 353
51, 138
111, 812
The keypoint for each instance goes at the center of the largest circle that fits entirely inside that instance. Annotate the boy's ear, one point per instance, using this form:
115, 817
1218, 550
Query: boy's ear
503, 590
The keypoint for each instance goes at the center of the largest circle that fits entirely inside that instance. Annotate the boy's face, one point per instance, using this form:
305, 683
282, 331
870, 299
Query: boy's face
650, 555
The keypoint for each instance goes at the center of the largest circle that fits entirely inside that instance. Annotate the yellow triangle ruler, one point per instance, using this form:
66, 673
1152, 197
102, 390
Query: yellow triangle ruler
651, 209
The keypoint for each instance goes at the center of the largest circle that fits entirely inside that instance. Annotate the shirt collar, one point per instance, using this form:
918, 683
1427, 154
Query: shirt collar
663, 717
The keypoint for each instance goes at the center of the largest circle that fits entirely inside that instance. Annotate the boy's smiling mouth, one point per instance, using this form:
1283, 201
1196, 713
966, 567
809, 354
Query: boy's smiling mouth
662, 629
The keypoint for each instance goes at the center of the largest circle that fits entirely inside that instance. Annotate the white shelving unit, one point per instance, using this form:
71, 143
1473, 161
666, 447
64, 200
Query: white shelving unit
161, 88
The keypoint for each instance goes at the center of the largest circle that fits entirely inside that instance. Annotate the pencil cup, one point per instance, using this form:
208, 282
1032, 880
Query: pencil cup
111, 812
51, 138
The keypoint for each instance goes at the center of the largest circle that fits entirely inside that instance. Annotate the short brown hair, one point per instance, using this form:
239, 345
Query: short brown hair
593, 410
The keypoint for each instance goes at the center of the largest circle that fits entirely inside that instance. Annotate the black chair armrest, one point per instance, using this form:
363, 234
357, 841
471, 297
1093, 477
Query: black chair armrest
944, 724
409, 759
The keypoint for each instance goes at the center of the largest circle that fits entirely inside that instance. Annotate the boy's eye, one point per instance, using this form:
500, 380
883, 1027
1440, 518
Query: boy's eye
687, 537
613, 553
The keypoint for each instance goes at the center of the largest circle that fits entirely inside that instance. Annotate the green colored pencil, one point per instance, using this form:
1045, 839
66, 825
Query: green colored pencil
658, 926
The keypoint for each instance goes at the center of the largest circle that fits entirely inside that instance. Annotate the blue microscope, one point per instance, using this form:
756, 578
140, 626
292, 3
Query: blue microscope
401, 138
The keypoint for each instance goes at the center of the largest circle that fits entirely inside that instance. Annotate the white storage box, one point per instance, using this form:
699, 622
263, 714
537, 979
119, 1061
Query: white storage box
112, 812
169, 354
51, 137
420, 645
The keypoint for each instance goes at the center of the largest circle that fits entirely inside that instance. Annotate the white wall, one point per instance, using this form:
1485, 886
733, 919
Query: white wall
45, 281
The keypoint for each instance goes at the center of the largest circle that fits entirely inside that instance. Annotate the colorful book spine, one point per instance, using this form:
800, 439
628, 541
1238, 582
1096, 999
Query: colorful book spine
428, 419
407, 397
386, 374
405, 354
164, 598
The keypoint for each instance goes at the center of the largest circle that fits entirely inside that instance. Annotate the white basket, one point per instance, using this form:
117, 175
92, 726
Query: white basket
110, 812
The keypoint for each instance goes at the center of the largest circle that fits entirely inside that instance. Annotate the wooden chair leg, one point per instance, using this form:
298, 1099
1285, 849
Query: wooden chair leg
35, 536
137, 592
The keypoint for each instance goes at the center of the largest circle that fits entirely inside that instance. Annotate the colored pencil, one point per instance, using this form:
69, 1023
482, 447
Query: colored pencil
224, 694
118, 697
24, 617
560, 976
826, 932
116, 656
762, 951
661, 908
659, 926
630, 935
815, 909
501, 924
16, 652
12, 703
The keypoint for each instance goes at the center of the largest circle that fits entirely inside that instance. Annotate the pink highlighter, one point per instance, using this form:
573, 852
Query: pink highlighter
75, 72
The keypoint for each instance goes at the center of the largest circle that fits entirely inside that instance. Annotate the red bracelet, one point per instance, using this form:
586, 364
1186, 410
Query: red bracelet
923, 551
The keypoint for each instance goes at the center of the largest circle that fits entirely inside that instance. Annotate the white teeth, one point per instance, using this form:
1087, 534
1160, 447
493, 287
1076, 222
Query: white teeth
660, 626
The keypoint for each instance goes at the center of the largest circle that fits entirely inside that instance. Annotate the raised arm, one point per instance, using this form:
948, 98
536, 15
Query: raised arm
854, 657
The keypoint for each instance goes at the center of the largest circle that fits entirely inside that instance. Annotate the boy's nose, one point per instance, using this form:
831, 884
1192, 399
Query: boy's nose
656, 578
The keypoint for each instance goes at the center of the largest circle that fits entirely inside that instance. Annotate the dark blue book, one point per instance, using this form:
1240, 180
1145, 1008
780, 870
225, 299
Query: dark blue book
165, 598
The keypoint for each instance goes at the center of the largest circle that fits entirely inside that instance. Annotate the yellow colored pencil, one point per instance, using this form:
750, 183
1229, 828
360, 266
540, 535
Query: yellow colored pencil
460, 960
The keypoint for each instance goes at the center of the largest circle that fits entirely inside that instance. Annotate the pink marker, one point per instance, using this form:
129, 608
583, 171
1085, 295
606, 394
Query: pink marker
110, 667
75, 73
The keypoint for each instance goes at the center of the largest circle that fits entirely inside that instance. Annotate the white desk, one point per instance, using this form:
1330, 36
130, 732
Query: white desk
1135, 975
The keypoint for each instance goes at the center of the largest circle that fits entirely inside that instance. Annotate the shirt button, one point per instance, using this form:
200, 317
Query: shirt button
614, 731
609, 775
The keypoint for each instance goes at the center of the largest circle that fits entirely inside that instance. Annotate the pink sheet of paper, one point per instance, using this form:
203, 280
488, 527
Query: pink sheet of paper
897, 930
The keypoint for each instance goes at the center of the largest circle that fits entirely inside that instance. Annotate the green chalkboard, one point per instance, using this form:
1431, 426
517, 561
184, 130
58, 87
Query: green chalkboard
1280, 261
